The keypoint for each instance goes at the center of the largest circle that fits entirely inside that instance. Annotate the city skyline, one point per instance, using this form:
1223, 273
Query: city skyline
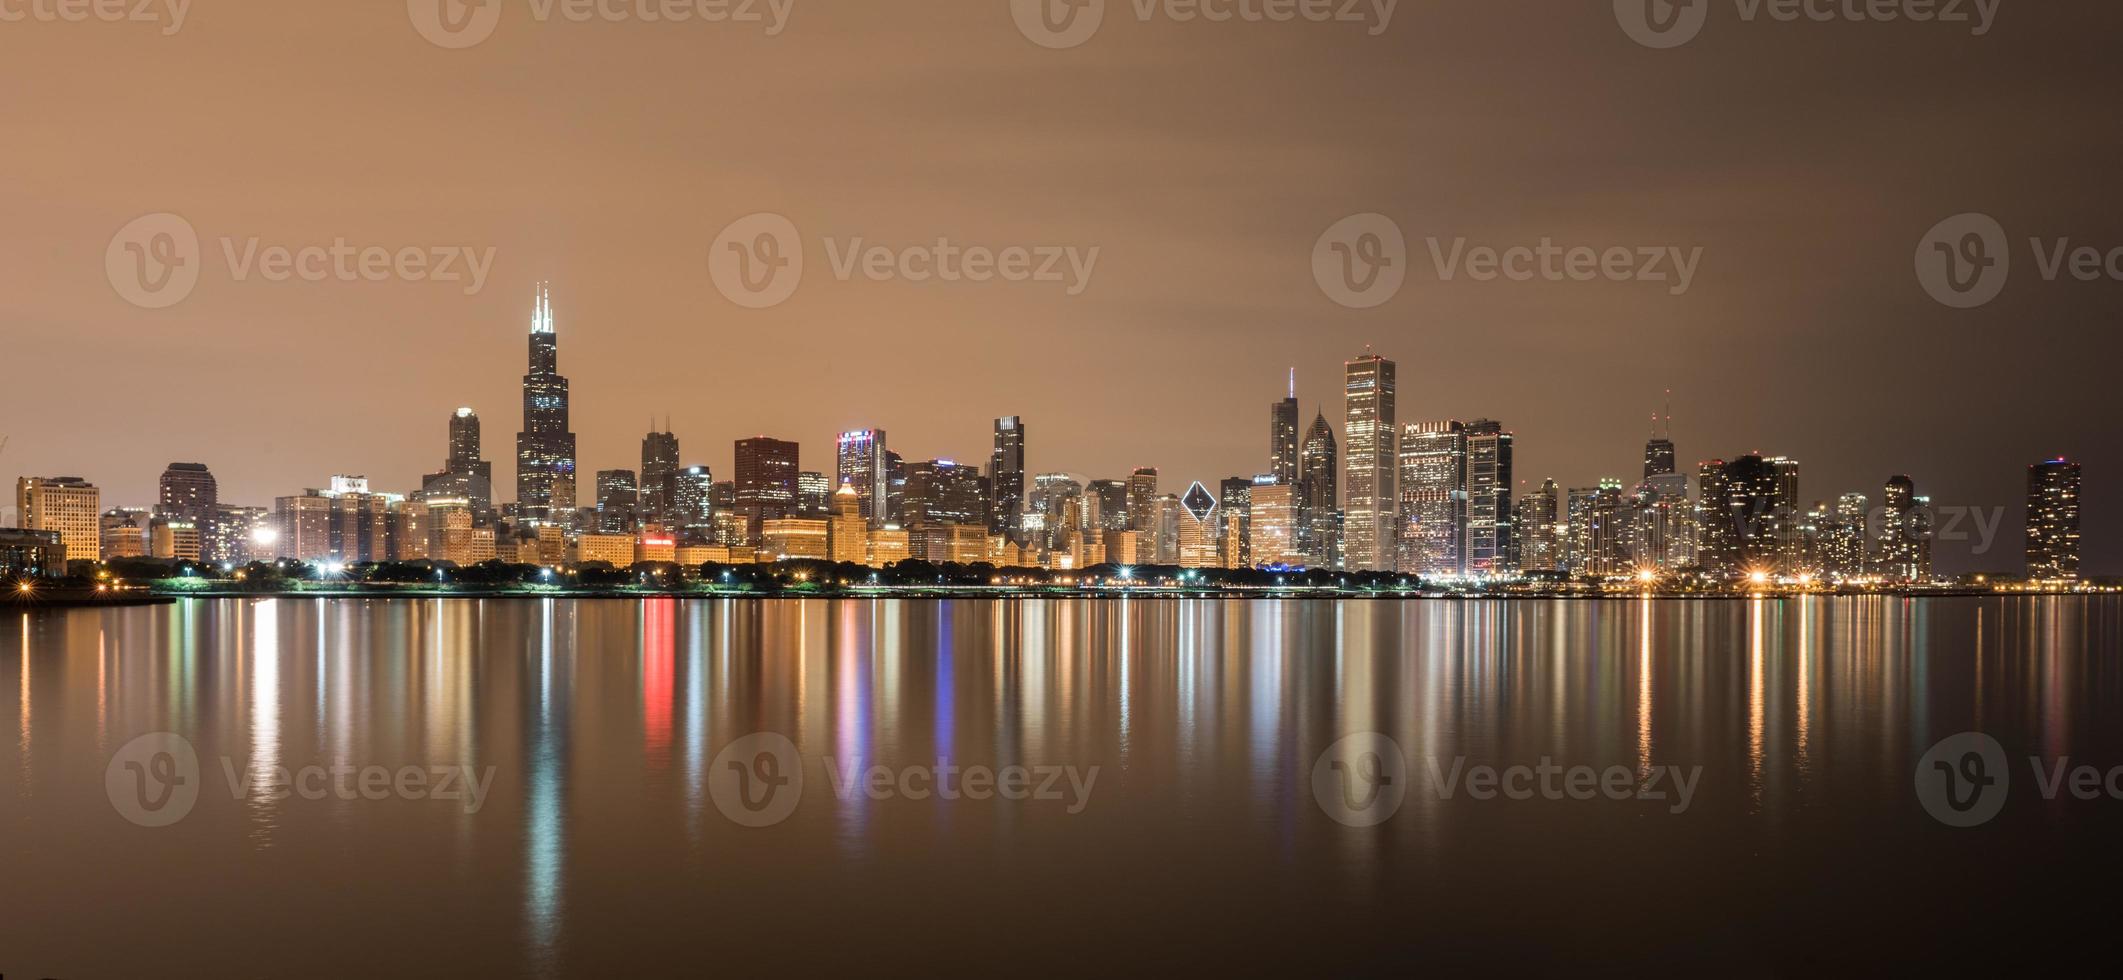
1207, 181
1331, 484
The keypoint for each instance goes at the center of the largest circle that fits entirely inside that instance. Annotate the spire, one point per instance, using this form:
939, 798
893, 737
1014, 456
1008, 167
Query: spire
1293, 384
542, 313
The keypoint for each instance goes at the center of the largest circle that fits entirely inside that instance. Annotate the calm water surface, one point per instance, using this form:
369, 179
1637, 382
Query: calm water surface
599, 847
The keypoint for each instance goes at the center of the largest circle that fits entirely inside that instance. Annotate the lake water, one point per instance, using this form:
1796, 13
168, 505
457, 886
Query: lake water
600, 788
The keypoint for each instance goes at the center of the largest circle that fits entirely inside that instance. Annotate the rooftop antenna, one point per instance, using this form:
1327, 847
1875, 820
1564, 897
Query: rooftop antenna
1293, 382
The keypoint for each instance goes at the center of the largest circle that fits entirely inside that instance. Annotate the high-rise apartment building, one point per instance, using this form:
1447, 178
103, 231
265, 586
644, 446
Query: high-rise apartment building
1534, 523
187, 492
2053, 520
69, 505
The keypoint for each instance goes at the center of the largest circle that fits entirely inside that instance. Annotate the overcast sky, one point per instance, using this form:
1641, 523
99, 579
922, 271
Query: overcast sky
1204, 161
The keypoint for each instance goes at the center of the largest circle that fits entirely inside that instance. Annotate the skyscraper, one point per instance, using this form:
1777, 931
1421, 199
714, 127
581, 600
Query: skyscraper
1235, 507
1142, 500
1489, 461
1109, 500
1534, 524
659, 472
464, 475
2053, 520
766, 481
693, 505
545, 449
941, 492
1903, 537
1006, 478
1744, 511
618, 501
862, 465
188, 492
1319, 516
1433, 485
1282, 435
1370, 506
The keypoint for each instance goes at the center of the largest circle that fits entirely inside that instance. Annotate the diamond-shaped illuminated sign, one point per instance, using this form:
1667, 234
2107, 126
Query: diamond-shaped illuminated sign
1198, 502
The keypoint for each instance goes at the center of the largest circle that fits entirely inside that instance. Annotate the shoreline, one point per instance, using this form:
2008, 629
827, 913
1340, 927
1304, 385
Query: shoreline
160, 596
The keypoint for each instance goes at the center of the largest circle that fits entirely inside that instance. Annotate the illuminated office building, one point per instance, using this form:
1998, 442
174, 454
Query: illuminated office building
659, 476
618, 502
1371, 507
69, 505
463, 473
1540, 543
693, 505
944, 492
1273, 537
862, 464
1487, 547
1235, 521
1006, 478
174, 538
766, 487
1282, 435
1433, 489
851, 530
545, 449
1319, 518
1142, 500
123, 534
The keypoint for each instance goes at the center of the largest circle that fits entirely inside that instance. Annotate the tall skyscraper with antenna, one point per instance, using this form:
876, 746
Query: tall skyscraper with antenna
545, 449
1282, 436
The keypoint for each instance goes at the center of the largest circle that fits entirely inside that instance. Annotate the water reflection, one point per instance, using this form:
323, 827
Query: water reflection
1204, 717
